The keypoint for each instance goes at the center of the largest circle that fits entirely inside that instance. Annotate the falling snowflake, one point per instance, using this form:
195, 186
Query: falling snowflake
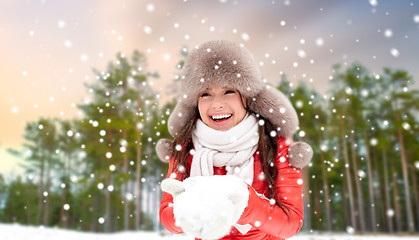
373, 142
406, 126
112, 167
373, 3
61, 24
301, 53
350, 230
390, 212
394, 52
319, 42
147, 29
245, 36
15, 110
361, 174
388, 33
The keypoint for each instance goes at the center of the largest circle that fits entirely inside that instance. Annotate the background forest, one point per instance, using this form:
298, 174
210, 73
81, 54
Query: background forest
100, 172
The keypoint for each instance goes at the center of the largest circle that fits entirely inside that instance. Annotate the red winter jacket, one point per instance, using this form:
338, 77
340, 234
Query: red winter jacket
273, 223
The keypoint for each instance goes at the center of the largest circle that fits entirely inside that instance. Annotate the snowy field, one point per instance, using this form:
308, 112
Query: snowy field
17, 232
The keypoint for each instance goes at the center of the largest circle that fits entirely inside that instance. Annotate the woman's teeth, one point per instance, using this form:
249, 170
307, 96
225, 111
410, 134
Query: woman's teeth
218, 117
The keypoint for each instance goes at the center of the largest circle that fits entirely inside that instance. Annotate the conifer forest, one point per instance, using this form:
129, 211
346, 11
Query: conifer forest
100, 173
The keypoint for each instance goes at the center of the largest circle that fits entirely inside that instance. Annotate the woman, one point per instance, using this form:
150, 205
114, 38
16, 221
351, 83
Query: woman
230, 175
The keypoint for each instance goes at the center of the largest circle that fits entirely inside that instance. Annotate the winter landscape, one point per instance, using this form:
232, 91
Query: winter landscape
88, 86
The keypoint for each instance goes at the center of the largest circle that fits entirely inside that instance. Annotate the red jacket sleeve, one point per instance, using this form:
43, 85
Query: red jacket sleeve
271, 219
167, 217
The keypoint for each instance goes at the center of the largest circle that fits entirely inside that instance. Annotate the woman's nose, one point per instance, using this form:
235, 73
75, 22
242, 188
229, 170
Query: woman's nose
217, 103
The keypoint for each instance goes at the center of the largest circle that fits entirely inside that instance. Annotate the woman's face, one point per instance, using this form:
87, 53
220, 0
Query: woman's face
221, 108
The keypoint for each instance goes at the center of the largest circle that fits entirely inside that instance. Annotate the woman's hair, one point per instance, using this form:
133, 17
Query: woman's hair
267, 147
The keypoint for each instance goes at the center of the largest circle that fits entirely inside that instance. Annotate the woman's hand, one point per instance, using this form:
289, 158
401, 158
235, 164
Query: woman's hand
207, 207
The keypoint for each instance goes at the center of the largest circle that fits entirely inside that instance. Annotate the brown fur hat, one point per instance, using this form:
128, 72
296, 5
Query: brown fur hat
226, 63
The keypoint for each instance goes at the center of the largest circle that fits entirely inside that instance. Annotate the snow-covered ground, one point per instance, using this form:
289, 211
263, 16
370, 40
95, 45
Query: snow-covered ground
18, 232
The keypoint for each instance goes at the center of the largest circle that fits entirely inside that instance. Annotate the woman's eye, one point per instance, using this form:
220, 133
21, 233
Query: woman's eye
204, 95
230, 91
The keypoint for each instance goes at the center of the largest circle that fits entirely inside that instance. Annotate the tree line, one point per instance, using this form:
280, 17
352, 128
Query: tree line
100, 172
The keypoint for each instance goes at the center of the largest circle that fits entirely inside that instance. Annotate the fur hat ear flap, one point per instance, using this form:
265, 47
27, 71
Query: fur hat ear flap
274, 106
299, 154
164, 149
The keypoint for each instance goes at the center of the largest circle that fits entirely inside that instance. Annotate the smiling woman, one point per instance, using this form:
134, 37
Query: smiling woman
232, 135
221, 108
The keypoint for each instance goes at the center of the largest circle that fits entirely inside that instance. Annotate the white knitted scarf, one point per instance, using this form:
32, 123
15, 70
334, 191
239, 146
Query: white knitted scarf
233, 148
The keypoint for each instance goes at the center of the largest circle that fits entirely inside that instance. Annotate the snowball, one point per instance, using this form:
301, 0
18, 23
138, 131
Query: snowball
210, 203
66, 206
101, 220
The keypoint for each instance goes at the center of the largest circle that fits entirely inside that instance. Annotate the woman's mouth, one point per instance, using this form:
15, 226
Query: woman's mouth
220, 117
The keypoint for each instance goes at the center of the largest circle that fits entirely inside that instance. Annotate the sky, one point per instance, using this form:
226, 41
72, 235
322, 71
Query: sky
49, 48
